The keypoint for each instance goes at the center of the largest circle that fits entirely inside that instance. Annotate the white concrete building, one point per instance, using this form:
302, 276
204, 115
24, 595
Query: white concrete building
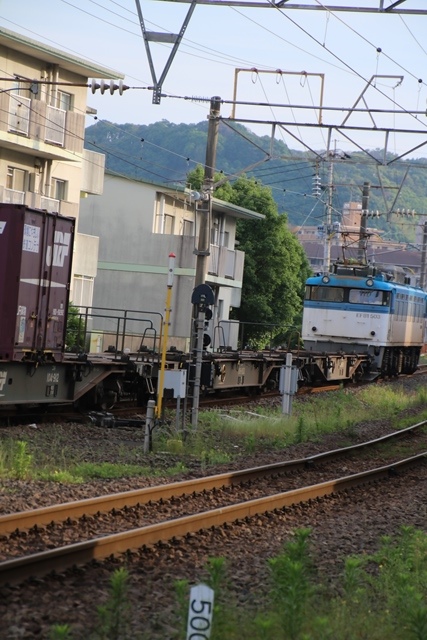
139, 225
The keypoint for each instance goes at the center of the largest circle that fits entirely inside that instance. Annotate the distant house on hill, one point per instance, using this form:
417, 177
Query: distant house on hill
139, 225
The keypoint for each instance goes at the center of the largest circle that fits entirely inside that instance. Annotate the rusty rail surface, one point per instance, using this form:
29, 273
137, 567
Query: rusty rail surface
102, 504
39, 564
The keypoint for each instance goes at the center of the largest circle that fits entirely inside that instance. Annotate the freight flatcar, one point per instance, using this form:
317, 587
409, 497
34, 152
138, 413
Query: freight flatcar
367, 309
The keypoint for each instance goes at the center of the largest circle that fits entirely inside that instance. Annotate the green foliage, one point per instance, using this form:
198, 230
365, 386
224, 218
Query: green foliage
223, 619
88, 470
176, 469
382, 596
74, 337
60, 632
217, 572
21, 460
182, 589
195, 178
114, 615
276, 266
61, 476
300, 430
291, 584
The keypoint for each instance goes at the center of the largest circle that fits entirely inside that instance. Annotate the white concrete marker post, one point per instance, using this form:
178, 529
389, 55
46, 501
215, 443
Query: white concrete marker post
288, 384
200, 612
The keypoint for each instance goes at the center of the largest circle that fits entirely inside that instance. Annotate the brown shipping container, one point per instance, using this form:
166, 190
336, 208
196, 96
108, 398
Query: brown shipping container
36, 250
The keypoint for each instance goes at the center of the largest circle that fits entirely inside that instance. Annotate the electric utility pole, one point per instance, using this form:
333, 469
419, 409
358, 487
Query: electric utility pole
423, 257
205, 209
202, 294
361, 254
328, 225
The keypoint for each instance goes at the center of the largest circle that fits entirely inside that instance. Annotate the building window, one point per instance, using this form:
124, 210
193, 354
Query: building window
64, 101
59, 189
16, 184
187, 228
168, 226
82, 292
16, 179
22, 88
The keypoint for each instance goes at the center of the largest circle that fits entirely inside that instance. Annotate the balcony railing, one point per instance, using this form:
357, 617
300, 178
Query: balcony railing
19, 114
12, 196
49, 132
55, 126
225, 263
50, 204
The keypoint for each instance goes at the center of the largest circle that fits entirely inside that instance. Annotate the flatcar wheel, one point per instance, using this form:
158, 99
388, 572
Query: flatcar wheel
108, 401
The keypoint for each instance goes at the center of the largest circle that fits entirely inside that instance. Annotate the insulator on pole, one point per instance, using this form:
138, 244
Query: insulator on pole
94, 86
112, 86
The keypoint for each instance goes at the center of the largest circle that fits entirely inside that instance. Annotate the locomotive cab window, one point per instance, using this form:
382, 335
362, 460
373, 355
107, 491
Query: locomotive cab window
367, 296
325, 294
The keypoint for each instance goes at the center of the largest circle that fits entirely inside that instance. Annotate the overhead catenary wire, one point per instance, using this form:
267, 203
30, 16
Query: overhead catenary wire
98, 4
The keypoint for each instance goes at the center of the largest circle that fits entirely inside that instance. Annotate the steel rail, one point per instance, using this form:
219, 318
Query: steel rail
17, 570
91, 506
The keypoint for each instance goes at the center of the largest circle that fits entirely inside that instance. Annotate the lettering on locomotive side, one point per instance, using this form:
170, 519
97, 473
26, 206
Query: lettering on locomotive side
375, 316
52, 378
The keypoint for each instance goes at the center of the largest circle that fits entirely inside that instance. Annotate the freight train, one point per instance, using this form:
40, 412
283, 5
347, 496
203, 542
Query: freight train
359, 323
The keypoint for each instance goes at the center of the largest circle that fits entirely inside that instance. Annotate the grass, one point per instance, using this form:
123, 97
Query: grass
48, 454
378, 597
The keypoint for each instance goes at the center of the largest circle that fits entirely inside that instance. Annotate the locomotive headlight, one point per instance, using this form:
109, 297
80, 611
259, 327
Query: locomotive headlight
314, 329
369, 282
372, 333
325, 279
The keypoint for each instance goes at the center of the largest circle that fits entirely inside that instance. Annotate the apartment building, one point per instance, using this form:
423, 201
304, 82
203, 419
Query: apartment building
140, 224
43, 106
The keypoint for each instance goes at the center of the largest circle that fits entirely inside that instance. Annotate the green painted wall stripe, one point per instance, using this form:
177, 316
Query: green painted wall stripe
145, 268
142, 268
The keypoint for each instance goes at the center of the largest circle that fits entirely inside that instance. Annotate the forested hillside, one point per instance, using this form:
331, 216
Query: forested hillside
164, 152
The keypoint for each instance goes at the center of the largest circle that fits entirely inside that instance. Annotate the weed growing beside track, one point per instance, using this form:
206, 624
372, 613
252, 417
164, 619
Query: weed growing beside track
379, 597
77, 454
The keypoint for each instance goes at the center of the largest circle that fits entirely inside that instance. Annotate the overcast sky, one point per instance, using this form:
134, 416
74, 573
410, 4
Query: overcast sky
342, 48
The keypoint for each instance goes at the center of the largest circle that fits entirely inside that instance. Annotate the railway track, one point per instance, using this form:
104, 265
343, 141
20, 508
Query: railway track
178, 509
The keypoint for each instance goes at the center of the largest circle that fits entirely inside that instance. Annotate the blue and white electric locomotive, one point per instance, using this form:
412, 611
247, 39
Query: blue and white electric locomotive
366, 309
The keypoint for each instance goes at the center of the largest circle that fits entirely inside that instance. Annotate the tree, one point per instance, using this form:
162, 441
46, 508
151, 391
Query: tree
276, 266
74, 336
